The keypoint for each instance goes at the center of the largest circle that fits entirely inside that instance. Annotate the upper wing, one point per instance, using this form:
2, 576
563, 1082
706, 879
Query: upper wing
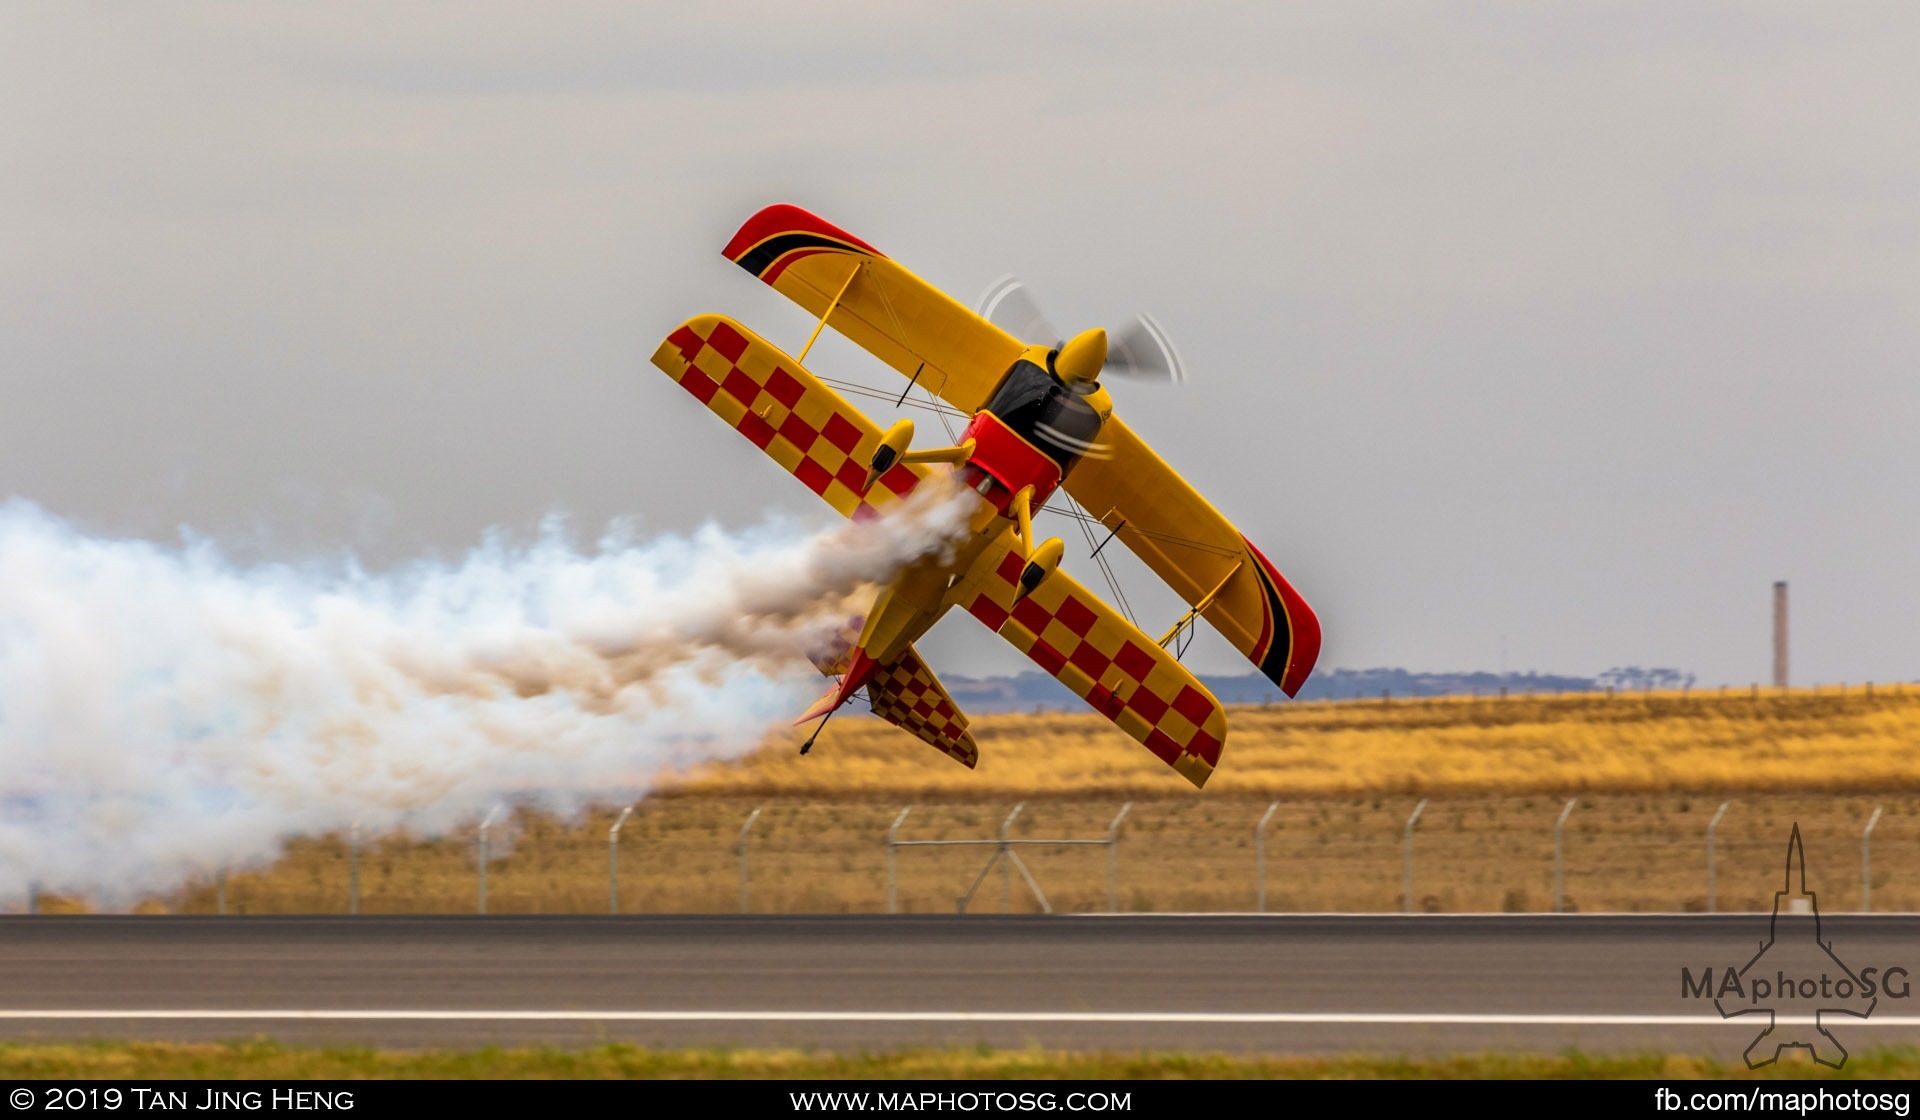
891, 313
1102, 657
1199, 554
787, 412
919, 330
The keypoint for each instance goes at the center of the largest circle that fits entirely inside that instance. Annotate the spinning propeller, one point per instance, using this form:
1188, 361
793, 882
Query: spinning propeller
1140, 349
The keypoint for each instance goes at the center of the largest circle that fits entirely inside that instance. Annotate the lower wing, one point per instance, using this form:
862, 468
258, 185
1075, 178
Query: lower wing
1199, 554
1089, 647
800, 423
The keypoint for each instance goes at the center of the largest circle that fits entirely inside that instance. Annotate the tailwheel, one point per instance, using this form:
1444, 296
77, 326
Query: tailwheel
822, 726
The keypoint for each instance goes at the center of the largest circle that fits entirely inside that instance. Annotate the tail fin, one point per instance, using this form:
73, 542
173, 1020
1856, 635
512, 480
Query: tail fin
859, 670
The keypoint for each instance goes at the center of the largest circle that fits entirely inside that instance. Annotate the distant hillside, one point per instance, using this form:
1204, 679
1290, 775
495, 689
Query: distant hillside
1028, 691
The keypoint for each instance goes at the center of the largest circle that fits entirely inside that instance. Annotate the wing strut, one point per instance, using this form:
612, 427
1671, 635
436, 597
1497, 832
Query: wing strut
821, 325
1204, 602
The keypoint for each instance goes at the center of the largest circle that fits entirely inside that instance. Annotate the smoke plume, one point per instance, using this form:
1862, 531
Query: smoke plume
165, 712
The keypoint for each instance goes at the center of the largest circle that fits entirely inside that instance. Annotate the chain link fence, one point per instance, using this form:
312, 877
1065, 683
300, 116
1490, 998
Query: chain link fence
1606, 854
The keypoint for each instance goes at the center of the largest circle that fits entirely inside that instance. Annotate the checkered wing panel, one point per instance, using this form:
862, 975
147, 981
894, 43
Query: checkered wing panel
905, 693
1093, 650
785, 411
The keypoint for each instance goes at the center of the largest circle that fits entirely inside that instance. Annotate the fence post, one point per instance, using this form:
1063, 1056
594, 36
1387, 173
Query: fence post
613, 860
1559, 881
484, 825
220, 891
1406, 845
353, 868
1006, 867
1866, 862
1260, 857
744, 829
893, 879
1711, 825
1113, 859
1003, 856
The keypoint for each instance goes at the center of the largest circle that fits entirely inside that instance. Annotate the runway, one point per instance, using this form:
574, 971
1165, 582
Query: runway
1300, 984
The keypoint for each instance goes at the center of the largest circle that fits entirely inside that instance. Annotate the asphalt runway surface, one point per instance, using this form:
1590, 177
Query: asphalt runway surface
1238, 983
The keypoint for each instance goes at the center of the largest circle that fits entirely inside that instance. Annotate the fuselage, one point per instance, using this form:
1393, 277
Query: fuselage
1033, 430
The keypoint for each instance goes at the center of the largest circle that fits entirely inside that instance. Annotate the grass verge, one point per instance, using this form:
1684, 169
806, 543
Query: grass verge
270, 1060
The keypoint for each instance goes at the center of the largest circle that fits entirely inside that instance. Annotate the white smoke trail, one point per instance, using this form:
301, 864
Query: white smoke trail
166, 712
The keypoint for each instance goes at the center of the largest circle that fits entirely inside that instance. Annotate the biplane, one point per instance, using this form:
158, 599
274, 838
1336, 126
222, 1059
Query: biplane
1039, 420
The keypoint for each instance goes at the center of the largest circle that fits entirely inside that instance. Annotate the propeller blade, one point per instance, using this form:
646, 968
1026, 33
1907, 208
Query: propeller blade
1142, 349
1007, 305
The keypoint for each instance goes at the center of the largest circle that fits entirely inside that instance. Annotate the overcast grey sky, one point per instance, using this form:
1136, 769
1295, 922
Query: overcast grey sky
1565, 327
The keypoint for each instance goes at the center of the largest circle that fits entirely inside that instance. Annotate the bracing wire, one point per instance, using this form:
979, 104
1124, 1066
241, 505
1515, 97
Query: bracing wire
1113, 583
947, 414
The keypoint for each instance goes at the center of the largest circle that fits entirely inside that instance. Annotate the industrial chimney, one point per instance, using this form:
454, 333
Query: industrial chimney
1780, 633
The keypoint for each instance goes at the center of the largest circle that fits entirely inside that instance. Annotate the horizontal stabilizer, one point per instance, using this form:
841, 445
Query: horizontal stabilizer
905, 693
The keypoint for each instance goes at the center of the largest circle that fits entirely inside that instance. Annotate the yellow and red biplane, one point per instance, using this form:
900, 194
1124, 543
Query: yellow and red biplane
1040, 421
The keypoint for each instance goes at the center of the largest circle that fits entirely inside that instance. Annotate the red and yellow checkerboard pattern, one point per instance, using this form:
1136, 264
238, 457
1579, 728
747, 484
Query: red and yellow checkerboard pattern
826, 443
906, 694
1104, 659
785, 411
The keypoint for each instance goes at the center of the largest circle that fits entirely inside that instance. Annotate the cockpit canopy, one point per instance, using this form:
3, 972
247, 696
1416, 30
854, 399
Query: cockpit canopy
1056, 416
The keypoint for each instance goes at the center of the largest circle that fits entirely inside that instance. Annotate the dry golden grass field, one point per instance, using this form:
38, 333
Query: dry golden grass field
264, 1060
1800, 742
1647, 772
